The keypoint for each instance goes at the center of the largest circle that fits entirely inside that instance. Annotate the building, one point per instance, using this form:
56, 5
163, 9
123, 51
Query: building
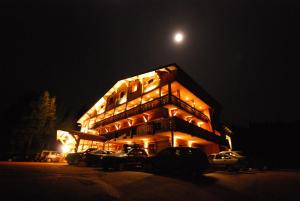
161, 108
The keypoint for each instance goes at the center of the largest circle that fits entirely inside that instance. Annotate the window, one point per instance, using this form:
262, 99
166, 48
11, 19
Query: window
150, 81
134, 88
122, 94
110, 100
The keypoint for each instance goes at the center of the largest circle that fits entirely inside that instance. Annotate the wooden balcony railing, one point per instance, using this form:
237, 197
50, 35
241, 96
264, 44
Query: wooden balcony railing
158, 102
164, 125
183, 105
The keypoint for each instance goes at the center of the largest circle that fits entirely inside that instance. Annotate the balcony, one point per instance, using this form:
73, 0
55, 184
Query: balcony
158, 102
164, 125
185, 127
184, 106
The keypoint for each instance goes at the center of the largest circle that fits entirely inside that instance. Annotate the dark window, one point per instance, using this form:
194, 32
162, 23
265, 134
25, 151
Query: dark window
150, 81
122, 94
110, 100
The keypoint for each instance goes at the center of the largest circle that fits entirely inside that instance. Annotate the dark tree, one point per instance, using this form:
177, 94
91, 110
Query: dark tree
31, 124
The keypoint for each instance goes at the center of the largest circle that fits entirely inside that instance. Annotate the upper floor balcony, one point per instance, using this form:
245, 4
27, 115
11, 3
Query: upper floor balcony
155, 103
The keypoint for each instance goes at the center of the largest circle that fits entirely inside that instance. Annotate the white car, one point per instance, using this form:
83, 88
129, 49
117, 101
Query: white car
50, 156
228, 159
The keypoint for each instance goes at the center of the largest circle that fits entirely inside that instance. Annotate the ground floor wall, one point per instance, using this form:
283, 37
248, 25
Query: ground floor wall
155, 143
151, 143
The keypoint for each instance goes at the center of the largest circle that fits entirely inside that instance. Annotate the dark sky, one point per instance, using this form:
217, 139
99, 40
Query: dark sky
244, 53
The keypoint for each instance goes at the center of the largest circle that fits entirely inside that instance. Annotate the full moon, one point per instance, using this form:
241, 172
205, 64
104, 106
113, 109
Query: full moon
178, 37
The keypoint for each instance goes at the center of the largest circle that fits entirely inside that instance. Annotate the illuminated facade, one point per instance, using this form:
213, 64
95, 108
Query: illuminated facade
161, 108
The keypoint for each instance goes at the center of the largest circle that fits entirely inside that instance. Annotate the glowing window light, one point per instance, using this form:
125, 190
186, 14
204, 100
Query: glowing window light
200, 123
149, 88
123, 100
134, 87
175, 140
190, 143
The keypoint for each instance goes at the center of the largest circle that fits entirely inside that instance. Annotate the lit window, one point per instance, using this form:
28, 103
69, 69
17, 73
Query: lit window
134, 88
122, 98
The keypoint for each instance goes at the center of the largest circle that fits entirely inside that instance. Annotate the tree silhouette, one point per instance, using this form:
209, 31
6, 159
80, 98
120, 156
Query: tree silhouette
31, 123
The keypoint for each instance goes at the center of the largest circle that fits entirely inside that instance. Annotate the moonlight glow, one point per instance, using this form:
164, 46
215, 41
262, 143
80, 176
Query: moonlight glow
178, 37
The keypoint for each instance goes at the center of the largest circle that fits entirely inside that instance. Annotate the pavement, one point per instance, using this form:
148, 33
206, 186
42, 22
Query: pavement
61, 182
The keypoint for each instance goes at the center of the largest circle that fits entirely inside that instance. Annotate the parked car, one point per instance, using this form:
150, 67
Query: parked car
135, 157
95, 157
230, 160
50, 156
76, 158
182, 160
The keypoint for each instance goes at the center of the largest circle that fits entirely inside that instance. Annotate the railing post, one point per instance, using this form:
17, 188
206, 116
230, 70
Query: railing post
172, 131
169, 93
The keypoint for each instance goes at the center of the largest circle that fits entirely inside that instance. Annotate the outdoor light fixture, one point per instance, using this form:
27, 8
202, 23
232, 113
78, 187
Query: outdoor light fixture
129, 122
65, 148
173, 112
190, 143
145, 117
117, 125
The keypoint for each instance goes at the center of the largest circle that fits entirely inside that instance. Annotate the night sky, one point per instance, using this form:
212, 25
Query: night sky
244, 53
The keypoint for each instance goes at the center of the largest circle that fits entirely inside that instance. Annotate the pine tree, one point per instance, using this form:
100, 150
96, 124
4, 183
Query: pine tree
34, 125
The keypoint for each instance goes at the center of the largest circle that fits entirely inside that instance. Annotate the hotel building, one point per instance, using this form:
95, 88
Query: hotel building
153, 110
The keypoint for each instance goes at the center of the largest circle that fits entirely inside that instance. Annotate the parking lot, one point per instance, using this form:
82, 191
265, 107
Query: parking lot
58, 181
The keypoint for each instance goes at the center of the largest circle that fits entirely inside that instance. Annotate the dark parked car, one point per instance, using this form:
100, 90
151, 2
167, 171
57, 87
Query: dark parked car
76, 158
95, 157
135, 157
182, 160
